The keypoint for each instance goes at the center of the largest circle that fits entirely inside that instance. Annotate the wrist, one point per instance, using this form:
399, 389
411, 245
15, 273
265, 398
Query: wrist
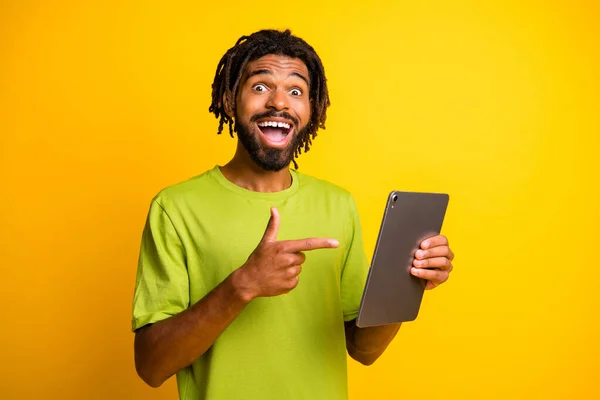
241, 288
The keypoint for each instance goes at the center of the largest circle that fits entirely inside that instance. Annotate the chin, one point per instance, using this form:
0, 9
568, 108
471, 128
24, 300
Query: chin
268, 158
271, 164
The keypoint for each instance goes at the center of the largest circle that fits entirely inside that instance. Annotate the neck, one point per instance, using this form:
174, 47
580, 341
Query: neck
242, 171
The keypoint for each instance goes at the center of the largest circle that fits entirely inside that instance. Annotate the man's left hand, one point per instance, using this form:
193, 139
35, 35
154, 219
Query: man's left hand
433, 261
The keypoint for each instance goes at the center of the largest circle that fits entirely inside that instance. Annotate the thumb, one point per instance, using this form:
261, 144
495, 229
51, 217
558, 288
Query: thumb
272, 229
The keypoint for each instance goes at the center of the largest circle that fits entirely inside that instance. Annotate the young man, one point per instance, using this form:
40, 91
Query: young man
251, 274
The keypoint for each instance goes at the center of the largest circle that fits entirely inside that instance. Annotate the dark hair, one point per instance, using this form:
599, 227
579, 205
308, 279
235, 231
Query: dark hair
257, 45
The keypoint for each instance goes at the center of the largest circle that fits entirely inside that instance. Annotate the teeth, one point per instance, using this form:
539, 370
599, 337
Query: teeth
274, 124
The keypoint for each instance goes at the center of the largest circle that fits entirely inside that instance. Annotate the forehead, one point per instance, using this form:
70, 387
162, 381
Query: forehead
278, 65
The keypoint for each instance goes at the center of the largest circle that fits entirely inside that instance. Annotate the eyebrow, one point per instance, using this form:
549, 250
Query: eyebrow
267, 72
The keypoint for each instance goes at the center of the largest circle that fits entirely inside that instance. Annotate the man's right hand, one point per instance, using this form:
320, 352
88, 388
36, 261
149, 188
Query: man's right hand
274, 266
165, 347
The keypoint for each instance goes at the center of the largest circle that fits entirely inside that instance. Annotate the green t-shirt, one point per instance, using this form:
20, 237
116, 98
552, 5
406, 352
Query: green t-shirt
284, 347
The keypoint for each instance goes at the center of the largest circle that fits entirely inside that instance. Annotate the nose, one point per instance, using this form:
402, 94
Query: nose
278, 100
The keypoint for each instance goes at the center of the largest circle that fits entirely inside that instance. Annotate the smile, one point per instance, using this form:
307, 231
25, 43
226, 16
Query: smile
274, 132
274, 124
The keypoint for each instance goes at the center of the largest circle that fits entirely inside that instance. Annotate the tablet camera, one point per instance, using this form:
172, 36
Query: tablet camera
394, 198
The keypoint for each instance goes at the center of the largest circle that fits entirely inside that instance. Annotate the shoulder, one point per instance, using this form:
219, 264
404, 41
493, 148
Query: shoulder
336, 196
184, 192
311, 183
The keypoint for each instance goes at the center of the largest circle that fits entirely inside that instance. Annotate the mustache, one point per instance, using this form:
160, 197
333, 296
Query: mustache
274, 114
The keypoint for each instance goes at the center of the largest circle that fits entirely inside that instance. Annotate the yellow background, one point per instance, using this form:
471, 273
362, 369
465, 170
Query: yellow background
496, 103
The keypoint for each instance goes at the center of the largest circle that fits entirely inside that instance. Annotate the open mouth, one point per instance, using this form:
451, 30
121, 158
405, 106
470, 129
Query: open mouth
275, 133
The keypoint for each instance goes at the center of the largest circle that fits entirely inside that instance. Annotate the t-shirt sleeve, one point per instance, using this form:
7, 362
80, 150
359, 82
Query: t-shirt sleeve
355, 269
162, 281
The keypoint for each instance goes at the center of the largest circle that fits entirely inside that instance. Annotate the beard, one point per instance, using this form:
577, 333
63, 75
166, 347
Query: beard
268, 158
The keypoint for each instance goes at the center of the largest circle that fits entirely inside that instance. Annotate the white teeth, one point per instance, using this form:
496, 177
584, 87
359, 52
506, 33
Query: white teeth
274, 124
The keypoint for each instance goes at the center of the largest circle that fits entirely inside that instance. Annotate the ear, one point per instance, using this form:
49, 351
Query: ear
227, 106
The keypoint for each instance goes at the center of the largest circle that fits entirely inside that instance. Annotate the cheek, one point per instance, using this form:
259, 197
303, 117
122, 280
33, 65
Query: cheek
303, 111
245, 105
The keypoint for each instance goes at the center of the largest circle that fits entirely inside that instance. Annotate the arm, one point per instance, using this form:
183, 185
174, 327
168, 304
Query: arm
165, 347
365, 345
433, 262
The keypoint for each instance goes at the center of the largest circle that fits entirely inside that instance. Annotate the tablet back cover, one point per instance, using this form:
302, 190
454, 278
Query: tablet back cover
391, 293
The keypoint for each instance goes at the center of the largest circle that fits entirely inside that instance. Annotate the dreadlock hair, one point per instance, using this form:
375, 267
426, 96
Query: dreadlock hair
259, 44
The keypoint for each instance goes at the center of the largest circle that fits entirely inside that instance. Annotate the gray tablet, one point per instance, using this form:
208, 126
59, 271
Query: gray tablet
391, 293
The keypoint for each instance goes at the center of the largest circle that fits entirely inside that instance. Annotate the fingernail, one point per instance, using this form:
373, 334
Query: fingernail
419, 254
426, 244
334, 242
415, 271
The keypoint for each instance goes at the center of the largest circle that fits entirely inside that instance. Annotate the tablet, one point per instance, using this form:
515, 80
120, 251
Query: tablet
391, 293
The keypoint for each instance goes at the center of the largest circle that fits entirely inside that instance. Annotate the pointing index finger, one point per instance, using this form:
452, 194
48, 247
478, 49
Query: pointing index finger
294, 246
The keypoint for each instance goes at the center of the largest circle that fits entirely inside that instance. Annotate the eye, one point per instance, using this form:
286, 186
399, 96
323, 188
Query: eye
296, 92
259, 87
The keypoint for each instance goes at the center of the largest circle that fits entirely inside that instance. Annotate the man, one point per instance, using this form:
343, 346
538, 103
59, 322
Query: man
251, 274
